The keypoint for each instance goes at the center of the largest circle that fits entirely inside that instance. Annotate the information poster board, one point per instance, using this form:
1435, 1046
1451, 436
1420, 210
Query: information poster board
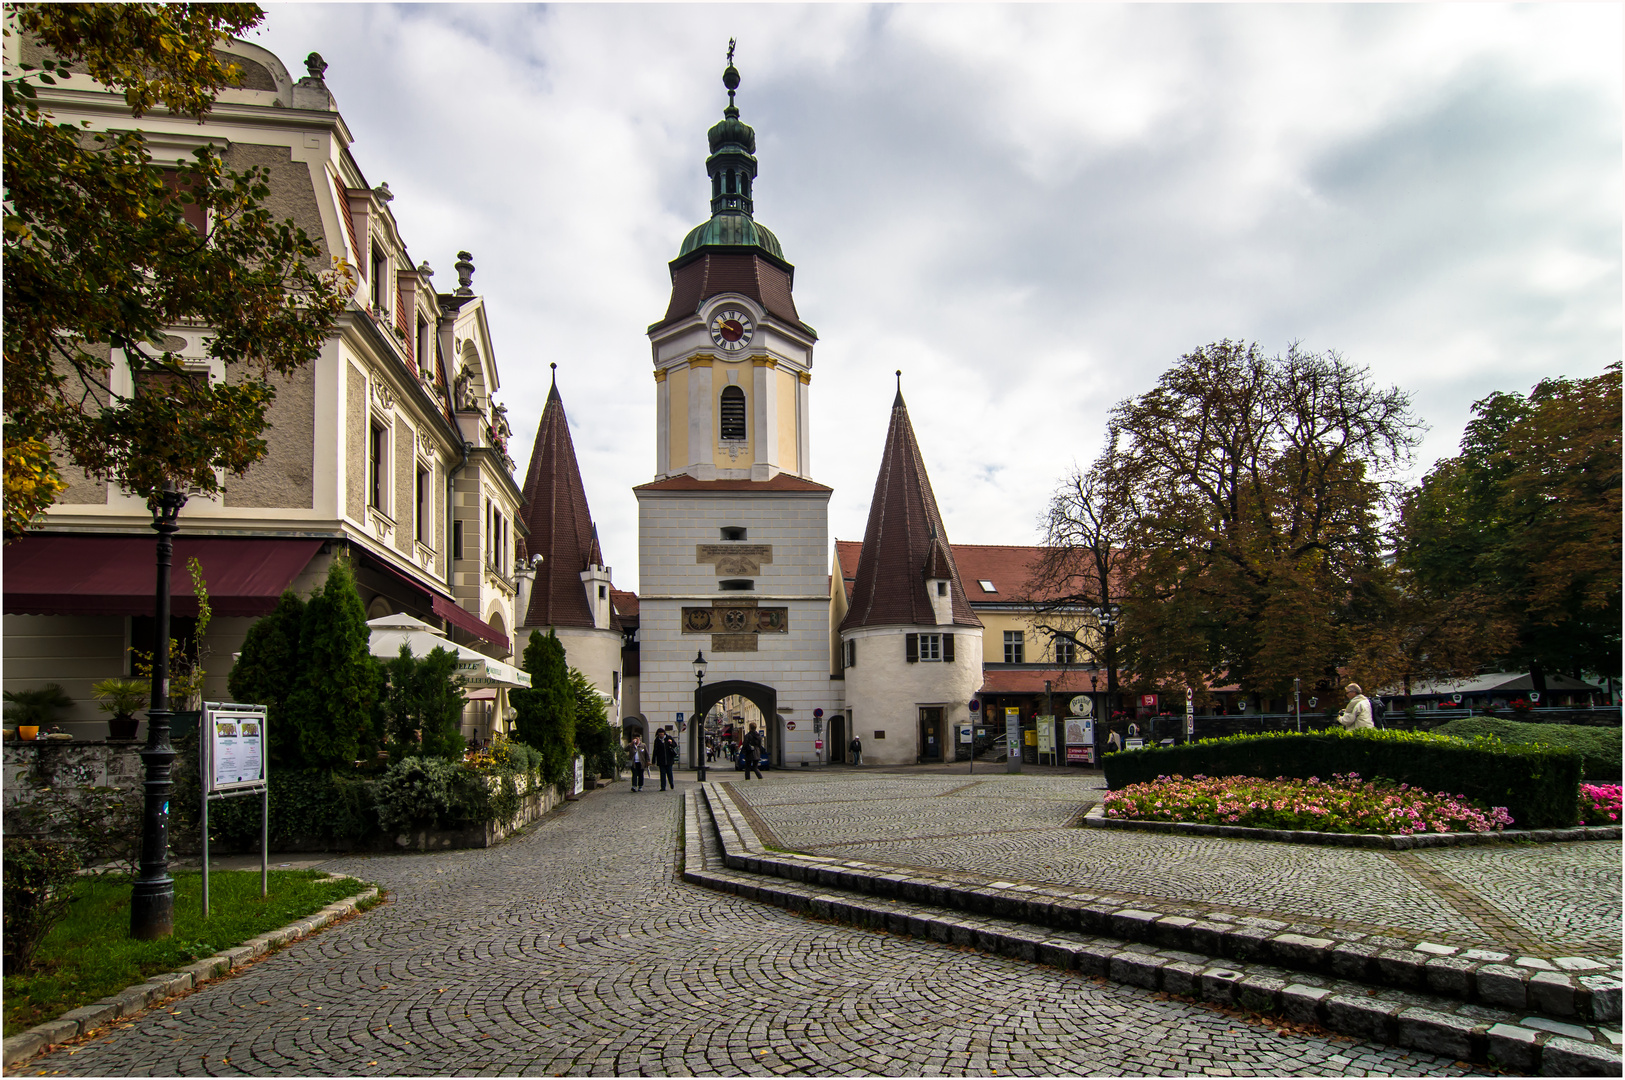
579, 781
236, 746
1080, 740
1046, 734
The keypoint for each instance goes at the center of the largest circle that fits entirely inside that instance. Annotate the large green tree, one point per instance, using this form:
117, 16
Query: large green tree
423, 703
266, 672
547, 711
106, 251
1524, 526
1255, 552
331, 704
593, 736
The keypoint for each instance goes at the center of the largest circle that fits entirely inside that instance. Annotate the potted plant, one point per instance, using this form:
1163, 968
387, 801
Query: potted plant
34, 709
121, 698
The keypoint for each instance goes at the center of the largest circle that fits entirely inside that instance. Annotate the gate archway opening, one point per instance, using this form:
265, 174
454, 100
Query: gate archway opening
765, 698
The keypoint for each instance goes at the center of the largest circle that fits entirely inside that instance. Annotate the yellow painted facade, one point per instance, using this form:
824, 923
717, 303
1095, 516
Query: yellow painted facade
789, 421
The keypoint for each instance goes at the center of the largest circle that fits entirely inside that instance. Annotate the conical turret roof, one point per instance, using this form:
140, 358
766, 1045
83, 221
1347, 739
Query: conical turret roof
560, 523
904, 543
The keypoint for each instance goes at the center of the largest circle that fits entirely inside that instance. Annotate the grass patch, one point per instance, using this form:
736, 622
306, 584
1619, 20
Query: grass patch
1599, 746
89, 954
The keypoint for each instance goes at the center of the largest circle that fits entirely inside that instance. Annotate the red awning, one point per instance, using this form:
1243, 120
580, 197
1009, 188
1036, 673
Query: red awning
460, 618
117, 575
1031, 680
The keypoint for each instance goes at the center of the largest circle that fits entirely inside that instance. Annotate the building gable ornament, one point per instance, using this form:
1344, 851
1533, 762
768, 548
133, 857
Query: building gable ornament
382, 395
735, 624
735, 560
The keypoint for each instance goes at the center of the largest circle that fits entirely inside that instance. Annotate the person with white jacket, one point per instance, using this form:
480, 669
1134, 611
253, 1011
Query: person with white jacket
1357, 714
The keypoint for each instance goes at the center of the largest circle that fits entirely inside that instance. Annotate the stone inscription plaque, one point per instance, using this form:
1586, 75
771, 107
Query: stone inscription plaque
735, 560
733, 642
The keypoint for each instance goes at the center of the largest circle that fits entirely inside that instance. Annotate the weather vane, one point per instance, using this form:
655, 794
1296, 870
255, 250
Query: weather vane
731, 50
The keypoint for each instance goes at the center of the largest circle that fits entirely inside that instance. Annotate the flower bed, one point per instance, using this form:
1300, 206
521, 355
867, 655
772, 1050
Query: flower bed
1599, 804
1345, 804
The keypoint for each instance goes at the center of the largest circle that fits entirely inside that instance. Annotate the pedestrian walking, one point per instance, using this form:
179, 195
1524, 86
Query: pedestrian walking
856, 746
665, 755
753, 750
640, 757
1357, 714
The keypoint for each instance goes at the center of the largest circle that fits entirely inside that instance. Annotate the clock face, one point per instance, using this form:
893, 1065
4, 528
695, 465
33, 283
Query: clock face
731, 329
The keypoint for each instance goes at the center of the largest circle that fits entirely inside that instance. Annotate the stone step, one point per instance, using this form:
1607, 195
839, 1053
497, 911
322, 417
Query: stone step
1132, 947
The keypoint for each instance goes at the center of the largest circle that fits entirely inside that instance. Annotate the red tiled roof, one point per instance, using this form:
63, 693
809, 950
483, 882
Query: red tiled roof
626, 603
560, 524
847, 553
685, 482
1031, 680
904, 534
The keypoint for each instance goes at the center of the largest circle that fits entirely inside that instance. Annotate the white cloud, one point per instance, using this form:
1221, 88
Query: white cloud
1033, 210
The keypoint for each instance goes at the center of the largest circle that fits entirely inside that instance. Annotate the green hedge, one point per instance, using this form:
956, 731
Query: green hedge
1539, 785
1599, 746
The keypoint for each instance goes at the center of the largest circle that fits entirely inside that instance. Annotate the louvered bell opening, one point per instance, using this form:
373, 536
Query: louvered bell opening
733, 413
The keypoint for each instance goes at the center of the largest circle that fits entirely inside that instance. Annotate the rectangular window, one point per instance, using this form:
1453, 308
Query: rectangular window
942, 588
850, 657
193, 214
377, 468
1013, 647
1066, 651
424, 509
931, 647
615, 682
380, 281
457, 539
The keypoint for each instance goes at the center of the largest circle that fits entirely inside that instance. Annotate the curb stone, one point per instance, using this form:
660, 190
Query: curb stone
1396, 1016
133, 999
1476, 975
1097, 819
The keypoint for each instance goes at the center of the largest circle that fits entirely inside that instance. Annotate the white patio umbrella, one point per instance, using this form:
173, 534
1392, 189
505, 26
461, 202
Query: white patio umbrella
390, 632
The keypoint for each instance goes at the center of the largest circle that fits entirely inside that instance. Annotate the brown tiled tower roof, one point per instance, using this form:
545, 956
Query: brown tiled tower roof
904, 542
698, 276
561, 529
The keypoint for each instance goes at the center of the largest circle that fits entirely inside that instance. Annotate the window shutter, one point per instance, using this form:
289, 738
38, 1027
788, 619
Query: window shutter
852, 653
947, 648
911, 646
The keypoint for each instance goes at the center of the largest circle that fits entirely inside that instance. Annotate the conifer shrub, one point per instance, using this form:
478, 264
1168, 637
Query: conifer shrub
423, 704
546, 712
337, 685
594, 739
266, 672
1539, 785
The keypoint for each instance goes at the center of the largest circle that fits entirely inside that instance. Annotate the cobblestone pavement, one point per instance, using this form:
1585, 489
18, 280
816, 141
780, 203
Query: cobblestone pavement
1546, 899
574, 949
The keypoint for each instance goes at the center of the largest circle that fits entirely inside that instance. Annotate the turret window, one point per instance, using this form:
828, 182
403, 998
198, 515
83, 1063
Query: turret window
732, 413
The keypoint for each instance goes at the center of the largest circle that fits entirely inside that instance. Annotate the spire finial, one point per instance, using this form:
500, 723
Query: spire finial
730, 75
555, 368
899, 399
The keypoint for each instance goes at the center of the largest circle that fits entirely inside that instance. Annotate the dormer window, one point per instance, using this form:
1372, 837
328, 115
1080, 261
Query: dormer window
380, 281
733, 532
942, 588
732, 413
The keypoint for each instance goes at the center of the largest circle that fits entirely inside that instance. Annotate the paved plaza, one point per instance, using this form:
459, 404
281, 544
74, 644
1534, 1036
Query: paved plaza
1539, 899
574, 949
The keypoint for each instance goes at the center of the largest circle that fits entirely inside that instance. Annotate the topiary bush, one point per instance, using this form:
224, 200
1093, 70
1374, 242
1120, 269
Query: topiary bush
1539, 785
38, 889
1599, 746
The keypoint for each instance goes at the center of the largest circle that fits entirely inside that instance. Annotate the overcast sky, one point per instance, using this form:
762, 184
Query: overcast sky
1033, 211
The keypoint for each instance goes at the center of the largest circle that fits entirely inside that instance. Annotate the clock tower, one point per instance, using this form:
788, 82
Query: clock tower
733, 532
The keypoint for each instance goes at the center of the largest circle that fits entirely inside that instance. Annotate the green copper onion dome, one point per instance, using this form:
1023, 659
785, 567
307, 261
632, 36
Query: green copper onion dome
732, 168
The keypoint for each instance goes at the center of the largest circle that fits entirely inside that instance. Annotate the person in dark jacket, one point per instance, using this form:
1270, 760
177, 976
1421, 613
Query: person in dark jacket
753, 752
639, 756
665, 755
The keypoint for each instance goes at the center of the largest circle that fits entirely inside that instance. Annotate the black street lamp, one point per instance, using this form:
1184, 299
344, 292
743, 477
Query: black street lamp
152, 899
1107, 617
699, 717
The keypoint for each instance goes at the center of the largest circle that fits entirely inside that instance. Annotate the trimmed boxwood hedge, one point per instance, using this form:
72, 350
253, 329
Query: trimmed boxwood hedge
1539, 785
1599, 746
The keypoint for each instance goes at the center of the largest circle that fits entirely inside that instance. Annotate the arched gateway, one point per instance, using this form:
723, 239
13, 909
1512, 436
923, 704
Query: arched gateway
765, 698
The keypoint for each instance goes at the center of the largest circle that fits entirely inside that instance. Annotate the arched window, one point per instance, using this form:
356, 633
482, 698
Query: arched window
733, 413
